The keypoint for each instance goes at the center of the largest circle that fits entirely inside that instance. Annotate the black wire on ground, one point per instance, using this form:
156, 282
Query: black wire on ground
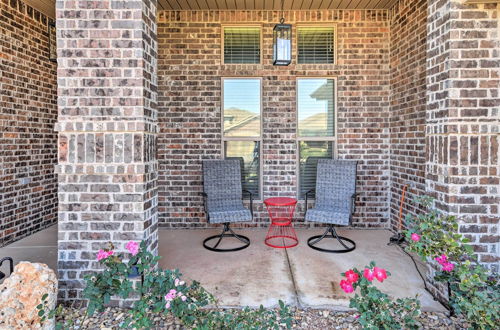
401, 244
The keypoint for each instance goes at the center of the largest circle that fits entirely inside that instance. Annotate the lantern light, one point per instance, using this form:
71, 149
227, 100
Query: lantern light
282, 47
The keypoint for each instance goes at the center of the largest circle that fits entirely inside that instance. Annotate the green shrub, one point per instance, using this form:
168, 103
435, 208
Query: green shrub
376, 309
474, 292
163, 291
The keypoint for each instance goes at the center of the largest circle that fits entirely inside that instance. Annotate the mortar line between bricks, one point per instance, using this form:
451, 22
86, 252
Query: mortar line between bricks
295, 291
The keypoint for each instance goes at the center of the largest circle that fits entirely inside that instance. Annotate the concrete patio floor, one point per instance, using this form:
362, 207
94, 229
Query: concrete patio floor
299, 276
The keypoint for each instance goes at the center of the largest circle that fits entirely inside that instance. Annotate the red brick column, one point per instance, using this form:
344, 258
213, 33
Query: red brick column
462, 132
408, 105
107, 131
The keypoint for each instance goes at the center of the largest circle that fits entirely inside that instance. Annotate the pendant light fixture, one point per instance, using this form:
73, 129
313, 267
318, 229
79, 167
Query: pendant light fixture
282, 41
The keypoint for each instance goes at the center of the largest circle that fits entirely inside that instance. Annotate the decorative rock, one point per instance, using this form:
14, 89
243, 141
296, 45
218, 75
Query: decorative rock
22, 291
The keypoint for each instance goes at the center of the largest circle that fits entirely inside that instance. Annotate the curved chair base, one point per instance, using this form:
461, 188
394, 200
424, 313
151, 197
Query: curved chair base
245, 240
312, 241
11, 266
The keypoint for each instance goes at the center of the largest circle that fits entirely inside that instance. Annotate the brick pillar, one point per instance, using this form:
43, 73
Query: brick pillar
107, 126
462, 134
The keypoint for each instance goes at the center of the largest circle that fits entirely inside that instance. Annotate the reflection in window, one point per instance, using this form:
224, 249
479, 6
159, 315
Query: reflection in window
248, 153
316, 127
309, 154
241, 107
241, 104
316, 107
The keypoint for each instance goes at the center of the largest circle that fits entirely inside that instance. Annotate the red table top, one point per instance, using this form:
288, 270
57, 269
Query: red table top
280, 201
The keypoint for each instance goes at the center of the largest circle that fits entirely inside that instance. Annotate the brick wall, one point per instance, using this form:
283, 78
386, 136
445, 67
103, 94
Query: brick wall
190, 71
408, 104
463, 119
28, 143
107, 132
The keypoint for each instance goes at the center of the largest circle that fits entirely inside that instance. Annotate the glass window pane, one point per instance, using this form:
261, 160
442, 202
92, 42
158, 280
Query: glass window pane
309, 153
316, 107
248, 153
241, 45
241, 101
315, 45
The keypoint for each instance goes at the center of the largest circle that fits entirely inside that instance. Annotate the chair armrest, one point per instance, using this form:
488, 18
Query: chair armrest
251, 200
307, 197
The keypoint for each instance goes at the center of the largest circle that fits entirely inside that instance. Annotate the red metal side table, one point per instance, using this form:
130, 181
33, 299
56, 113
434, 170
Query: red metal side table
281, 233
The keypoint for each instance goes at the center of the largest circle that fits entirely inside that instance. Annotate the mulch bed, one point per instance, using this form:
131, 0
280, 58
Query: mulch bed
303, 319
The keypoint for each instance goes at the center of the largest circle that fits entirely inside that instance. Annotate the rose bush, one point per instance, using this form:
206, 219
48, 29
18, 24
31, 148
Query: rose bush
152, 290
376, 309
474, 292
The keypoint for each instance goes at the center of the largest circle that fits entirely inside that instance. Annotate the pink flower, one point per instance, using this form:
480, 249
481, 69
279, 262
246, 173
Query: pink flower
167, 305
368, 274
103, 254
415, 237
380, 274
346, 286
171, 295
443, 259
445, 264
183, 298
356, 316
351, 276
178, 282
448, 267
132, 247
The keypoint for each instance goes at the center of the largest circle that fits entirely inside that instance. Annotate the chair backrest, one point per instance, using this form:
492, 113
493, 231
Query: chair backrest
242, 167
222, 182
335, 184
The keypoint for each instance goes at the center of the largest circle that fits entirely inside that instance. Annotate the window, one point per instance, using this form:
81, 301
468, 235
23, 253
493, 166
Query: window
241, 44
241, 121
315, 45
315, 127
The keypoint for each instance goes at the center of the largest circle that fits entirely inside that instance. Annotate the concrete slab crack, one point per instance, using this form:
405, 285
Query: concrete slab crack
295, 291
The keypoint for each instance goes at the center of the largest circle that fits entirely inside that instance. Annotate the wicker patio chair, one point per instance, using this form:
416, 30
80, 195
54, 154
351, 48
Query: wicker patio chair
335, 196
223, 203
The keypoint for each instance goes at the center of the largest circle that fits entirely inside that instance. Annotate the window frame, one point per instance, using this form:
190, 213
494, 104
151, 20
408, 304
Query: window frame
314, 24
242, 25
332, 139
244, 138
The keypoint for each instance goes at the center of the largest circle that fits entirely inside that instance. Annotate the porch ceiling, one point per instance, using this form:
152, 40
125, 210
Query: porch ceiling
274, 4
47, 7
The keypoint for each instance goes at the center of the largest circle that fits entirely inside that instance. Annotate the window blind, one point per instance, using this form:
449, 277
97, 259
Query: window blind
316, 45
241, 45
310, 152
248, 154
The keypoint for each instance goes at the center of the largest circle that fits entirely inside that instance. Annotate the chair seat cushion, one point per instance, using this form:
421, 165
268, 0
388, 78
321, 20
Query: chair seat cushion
233, 214
325, 215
